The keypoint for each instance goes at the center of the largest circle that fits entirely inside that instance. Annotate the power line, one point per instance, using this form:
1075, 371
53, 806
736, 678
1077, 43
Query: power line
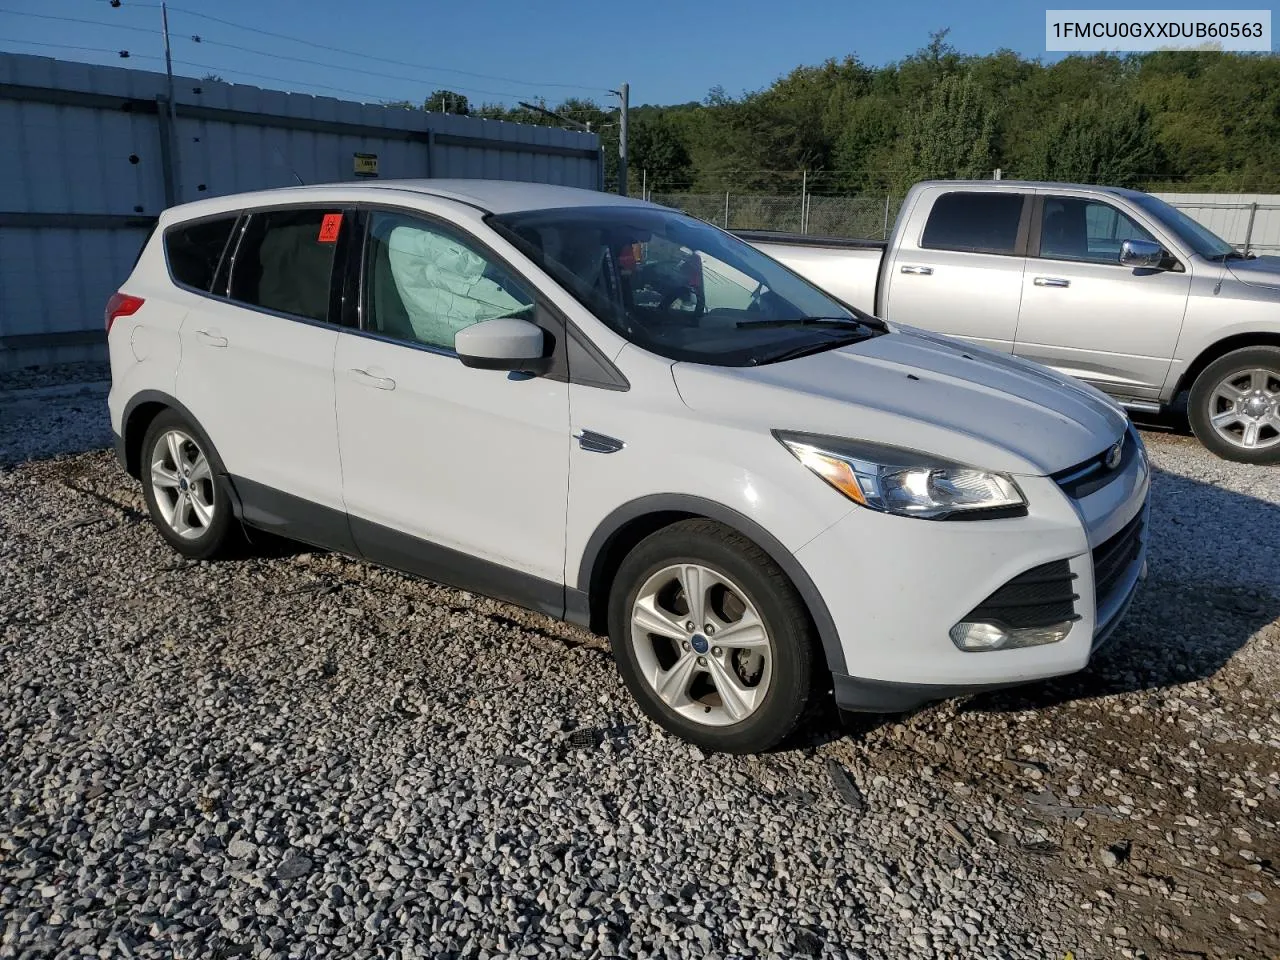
368, 56
91, 23
373, 73
374, 97
67, 46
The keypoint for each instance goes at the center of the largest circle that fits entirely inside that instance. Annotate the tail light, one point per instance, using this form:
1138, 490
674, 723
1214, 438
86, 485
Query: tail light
121, 305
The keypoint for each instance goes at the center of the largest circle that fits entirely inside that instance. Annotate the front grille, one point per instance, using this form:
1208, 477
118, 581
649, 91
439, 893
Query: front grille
1113, 558
1091, 476
1041, 597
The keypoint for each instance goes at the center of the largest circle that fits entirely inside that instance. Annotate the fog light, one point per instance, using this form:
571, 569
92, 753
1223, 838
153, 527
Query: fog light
973, 637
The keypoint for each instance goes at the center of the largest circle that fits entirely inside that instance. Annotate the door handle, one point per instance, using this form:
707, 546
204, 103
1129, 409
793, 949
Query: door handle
369, 380
1051, 282
918, 271
211, 339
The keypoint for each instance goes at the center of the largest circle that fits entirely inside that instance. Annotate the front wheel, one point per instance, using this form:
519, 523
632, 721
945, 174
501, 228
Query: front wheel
1234, 406
711, 638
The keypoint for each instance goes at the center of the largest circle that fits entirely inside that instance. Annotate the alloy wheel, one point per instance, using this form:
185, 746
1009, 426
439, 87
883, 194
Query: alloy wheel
1244, 408
701, 645
182, 482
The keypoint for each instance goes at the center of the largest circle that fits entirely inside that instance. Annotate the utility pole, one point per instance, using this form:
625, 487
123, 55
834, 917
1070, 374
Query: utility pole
804, 188
173, 110
624, 96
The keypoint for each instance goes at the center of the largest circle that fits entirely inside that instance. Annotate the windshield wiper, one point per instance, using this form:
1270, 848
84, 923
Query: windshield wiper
805, 349
1231, 255
835, 323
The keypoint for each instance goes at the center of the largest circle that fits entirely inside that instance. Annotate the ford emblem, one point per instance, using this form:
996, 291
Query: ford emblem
1113, 457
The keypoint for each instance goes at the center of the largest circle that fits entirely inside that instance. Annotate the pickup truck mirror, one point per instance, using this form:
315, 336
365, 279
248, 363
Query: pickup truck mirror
1141, 253
507, 343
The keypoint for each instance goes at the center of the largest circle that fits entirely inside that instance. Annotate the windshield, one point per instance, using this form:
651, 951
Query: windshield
1199, 238
682, 288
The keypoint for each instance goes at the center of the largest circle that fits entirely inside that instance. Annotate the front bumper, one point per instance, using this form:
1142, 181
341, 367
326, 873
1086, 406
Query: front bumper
895, 587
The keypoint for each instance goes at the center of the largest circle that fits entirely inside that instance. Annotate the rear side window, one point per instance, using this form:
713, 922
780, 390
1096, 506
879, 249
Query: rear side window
974, 222
194, 250
284, 262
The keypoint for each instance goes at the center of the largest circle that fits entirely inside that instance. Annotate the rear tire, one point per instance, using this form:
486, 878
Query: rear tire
739, 679
182, 480
1234, 406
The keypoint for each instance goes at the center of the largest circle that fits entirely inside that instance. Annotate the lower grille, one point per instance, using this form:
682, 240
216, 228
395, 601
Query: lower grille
1113, 558
1041, 597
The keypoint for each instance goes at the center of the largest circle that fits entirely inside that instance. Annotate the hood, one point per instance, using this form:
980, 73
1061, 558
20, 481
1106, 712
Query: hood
1258, 272
927, 393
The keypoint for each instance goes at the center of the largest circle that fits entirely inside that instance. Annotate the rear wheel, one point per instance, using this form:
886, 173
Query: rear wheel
711, 638
183, 489
1234, 406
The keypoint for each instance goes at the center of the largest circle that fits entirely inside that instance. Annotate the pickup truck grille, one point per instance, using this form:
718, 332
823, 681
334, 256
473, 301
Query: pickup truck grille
1093, 474
1041, 597
1113, 558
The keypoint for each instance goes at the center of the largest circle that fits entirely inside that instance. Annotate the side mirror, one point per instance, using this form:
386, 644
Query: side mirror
1141, 253
506, 343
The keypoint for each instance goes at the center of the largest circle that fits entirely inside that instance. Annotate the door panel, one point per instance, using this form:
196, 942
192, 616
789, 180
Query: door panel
257, 372
262, 388
457, 473
961, 274
471, 460
1087, 315
973, 296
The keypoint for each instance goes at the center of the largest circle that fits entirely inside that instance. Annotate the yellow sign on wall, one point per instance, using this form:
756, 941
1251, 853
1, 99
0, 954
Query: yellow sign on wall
366, 164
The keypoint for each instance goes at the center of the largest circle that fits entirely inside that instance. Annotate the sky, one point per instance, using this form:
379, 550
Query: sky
506, 50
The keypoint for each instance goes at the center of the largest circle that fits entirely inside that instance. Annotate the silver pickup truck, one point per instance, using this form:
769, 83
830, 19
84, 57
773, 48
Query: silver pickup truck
1112, 286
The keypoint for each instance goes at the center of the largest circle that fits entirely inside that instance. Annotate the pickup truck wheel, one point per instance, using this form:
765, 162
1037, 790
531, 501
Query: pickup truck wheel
1234, 406
184, 491
711, 638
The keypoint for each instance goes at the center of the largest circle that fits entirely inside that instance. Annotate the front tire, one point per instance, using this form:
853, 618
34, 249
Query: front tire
711, 638
1234, 406
184, 490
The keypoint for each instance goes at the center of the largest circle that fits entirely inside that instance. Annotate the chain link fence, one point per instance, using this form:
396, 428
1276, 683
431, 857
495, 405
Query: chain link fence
863, 217
1251, 223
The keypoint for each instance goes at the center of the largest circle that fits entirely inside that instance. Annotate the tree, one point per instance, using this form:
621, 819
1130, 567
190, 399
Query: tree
1097, 141
655, 146
446, 101
950, 132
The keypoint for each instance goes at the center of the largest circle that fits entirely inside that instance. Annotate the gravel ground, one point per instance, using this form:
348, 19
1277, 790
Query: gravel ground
300, 755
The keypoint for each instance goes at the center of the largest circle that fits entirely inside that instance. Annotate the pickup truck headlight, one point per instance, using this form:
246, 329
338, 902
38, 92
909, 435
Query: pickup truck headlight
905, 482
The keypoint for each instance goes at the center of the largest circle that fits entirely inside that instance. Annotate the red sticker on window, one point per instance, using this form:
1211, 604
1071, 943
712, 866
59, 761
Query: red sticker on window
329, 228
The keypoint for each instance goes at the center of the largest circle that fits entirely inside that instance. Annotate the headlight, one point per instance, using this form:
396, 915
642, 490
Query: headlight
910, 484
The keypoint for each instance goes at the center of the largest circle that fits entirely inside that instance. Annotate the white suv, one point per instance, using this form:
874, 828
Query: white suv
616, 414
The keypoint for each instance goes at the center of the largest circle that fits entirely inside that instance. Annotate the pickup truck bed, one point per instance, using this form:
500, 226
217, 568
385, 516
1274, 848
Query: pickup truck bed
848, 269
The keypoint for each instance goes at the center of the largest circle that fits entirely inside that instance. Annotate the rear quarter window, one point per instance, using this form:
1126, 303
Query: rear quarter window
194, 250
975, 222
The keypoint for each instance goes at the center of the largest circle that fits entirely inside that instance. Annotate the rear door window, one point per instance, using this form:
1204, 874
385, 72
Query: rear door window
975, 222
194, 250
284, 262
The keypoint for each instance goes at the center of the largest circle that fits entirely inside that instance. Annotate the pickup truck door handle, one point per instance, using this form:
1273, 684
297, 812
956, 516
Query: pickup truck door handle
367, 379
210, 338
1051, 282
919, 271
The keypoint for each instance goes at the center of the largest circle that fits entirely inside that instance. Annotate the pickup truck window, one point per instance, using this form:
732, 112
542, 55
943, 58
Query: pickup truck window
1072, 228
680, 287
974, 222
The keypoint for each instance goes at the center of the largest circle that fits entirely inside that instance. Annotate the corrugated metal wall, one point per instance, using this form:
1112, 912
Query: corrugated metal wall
85, 167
